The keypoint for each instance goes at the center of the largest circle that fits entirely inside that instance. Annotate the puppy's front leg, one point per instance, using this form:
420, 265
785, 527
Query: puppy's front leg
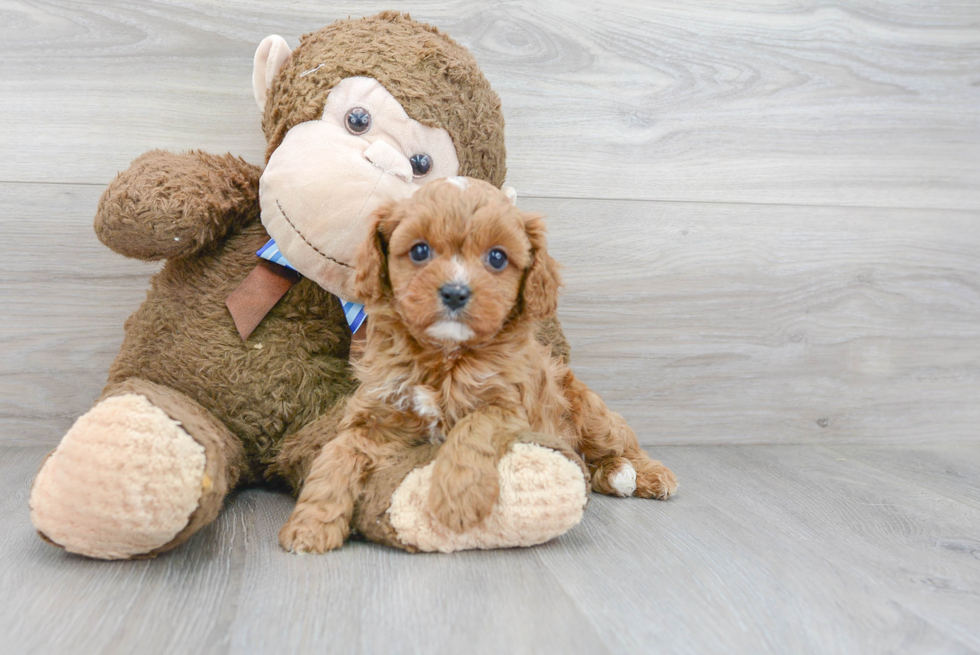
321, 519
464, 479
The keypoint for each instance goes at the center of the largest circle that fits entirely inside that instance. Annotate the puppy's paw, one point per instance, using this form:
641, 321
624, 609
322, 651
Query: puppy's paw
304, 533
645, 478
654, 480
462, 502
622, 478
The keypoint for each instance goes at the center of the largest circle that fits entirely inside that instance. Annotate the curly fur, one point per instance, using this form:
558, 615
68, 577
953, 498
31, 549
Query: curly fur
264, 407
292, 369
200, 212
474, 388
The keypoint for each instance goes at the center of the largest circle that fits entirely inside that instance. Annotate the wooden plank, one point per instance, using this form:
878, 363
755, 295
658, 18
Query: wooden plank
231, 589
766, 549
369, 599
59, 603
711, 323
856, 104
777, 549
950, 470
701, 323
65, 298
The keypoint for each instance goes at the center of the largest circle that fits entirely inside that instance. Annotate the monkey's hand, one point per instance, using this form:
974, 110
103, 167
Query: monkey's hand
171, 205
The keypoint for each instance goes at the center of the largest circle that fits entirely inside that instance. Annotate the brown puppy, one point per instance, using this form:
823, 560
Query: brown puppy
456, 278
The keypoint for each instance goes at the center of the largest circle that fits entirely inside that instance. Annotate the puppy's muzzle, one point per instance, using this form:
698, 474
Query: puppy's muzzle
454, 296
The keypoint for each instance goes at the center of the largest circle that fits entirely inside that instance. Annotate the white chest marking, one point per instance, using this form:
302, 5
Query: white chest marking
424, 404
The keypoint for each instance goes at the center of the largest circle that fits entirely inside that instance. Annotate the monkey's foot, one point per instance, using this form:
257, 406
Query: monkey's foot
542, 495
124, 481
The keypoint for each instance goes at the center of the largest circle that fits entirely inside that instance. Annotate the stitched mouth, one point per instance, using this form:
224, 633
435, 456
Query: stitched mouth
307, 241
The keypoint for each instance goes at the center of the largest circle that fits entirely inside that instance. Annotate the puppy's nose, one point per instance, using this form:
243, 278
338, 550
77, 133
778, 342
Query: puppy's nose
454, 296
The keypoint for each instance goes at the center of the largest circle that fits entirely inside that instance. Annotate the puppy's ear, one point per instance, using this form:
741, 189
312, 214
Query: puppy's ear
541, 282
371, 283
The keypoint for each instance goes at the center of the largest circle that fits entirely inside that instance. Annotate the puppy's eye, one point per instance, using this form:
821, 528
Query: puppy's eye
420, 252
358, 120
421, 163
497, 259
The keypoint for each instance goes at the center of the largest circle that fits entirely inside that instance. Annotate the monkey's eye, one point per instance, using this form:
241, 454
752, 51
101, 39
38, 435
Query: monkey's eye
419, 252
358, 120
497, 259
421, 163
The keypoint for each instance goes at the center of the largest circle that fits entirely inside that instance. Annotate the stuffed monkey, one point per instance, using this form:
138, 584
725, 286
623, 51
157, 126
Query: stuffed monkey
235, 370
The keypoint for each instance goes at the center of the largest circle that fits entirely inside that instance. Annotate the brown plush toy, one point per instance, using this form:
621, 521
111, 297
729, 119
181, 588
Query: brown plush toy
234, 370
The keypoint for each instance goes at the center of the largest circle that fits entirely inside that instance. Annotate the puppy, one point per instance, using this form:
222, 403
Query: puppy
455, 279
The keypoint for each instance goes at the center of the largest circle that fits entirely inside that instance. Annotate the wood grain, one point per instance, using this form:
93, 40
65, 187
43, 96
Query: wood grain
950, 471
766, 549
860, 103
769, 215
778, 549
712, 323
701, 323
65, 298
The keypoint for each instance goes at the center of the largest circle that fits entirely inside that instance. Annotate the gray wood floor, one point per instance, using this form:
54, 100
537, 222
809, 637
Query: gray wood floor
771, 549
769, 217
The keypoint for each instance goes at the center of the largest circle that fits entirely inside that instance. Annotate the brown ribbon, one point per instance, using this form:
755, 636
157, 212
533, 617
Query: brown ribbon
258, 294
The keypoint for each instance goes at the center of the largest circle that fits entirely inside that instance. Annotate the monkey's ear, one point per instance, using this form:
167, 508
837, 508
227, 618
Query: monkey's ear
271, 54
541, 282
371, 283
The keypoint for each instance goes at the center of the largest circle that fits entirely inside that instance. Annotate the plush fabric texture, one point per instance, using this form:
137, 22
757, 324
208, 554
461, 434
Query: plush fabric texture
258, 293
168, 205
150, 475
258, 409
269, 57
292, 368
318, 224
434, 78
451, 358
373, 521
543, 493
224, 453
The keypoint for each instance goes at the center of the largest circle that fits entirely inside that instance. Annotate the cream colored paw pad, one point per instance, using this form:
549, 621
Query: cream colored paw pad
542, 496
124, 481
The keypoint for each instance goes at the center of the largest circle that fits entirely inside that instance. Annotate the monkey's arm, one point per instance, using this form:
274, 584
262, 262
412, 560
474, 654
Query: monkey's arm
169, 205
549, 333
